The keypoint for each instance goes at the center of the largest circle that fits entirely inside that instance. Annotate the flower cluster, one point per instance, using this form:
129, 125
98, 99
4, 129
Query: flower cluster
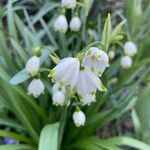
81, 74
36, 86
61, 23
130, 50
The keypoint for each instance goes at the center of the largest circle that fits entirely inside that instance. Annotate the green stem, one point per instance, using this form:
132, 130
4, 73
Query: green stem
63, 118
62, 125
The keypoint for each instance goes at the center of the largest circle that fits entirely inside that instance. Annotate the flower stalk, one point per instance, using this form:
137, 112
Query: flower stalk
63, 118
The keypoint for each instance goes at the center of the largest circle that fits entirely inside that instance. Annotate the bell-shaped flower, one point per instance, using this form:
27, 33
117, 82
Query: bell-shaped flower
70, 4
130, 48
79, 118
66, 72
58, 87
33, 65
58, 98
126, 62
61, 24
88, 82
88, 99
75, 24
36, 87
96, 60
111, 54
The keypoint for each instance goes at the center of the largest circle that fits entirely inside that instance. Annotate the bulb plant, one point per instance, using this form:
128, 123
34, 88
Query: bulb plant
65, 82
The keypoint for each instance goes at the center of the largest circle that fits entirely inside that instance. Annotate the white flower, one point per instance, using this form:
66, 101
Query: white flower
88, 82
130, 48
66, 71
111, 54
58, 87
88, 99
75, 24
36, 87
68, 3
126, 62
79, 118
33, 65
61, 24
96, 59
58, 98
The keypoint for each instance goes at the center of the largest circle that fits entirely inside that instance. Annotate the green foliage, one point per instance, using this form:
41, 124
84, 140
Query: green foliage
33, 121
143, 113
49, 137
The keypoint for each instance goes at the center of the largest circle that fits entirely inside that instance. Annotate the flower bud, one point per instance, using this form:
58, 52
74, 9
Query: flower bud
70, 4
37, 51
111, 54
118, 37
79, 118
33, 65
61, 24
75, 24
36, 87
126, 62
58, 98
130, 48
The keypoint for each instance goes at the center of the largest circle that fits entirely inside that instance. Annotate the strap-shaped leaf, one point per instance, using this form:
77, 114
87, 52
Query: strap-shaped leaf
20, 77
106, 34
17, 147
49, 137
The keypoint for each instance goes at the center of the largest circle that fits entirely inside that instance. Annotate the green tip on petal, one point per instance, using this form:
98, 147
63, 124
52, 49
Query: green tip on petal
51, 74
55, 59
101, 87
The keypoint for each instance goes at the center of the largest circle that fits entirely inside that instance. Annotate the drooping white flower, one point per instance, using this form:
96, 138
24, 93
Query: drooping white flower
79, 118
111, 54
36, 87
88, 99
88, 82
70, 4
58, 98
33, 65
75, 24
61, 24
126, 62
130, 48
58, 87
96, 59
66, 71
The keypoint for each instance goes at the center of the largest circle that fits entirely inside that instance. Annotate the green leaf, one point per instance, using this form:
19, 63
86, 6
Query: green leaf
48, 32
20, 77
46, 51
44, 10
111, 143
10, 20
106, 34
10, 123
95, 144
87, 4
49, 137
128, 142
117, 31
17, 147
20, 51
143, 114
19, 137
